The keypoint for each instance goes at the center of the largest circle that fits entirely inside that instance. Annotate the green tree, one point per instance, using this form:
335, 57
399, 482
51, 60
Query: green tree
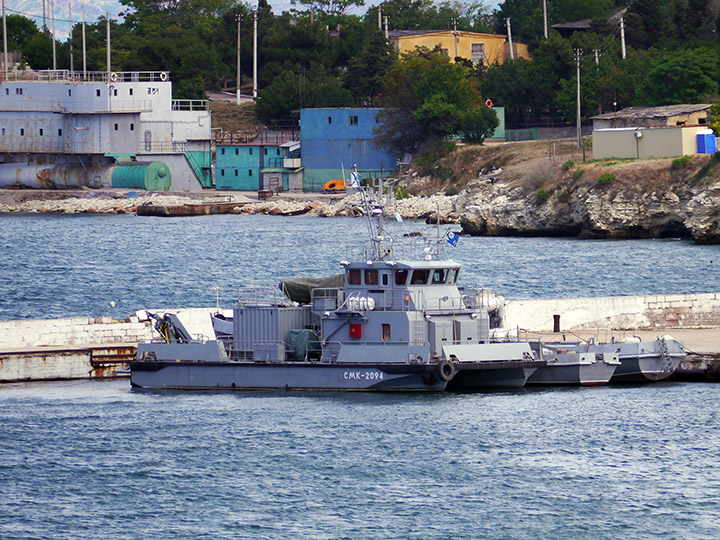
426, 98
365, 72
20, 29
293, 89
681, 77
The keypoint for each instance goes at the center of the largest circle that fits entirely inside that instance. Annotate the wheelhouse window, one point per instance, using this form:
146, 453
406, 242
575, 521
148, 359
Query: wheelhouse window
371, 277
401, 277
453, 276
439, 276
354, 276
385, 279
419, 277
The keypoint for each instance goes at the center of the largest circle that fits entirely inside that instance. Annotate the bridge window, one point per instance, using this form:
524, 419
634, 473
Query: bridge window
385, 279
439, 276
69, 92
41, 132
420, 277
353, 277
453, 276
22, 132
371, 277
117, 127
132, 127
59, 132
401, 277
131, 91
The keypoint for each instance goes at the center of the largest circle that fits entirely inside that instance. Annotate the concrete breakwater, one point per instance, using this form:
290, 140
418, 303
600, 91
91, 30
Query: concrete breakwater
89, 347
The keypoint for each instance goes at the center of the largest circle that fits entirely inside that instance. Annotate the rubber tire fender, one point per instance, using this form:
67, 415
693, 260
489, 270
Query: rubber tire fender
446, 370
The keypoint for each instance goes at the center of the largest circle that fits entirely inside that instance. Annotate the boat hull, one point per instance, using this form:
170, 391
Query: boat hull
595, 374
365, 377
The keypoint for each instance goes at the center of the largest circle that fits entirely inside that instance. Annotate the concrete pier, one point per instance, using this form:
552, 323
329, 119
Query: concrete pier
82, 347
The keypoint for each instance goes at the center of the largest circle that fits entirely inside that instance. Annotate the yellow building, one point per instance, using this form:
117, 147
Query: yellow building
486, 48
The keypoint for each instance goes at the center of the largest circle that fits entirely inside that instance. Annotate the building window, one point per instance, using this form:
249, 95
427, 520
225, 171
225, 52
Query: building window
117, 127
236, 172
477, 53
250, 172
222, 151
329, 119
277, 151
132, 127
97, 92
237, 151
3, 132
222, 172
22, 132
41, 132
59, 132
69, 92
352, 120
386, 332
265, 151
7, 91
251, 150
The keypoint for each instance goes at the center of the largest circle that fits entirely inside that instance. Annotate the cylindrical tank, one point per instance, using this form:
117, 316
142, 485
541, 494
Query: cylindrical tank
55, 176
150, 175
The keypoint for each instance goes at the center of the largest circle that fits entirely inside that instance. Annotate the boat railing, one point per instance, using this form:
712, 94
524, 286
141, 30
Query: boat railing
416, 354
65, 75
262, 294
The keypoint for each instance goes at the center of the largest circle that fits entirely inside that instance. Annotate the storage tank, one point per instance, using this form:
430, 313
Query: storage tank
150, 175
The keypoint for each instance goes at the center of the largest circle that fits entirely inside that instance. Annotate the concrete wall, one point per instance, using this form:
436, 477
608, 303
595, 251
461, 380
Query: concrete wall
653, 143
617, 312
495, 46
32, 333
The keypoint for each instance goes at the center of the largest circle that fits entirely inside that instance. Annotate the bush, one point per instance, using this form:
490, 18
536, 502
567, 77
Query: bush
563, 196
451, 190
680, 162
568, 165
577, 173
541, 196
401, 192
605, 178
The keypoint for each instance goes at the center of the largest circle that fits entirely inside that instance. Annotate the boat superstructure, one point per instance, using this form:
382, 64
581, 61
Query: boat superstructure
62, 129
396, 320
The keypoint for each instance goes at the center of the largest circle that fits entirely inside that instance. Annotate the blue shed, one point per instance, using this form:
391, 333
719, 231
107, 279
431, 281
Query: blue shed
335, 139
238, 166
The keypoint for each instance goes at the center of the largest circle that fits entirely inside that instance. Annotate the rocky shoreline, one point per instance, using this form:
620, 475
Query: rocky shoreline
572, 202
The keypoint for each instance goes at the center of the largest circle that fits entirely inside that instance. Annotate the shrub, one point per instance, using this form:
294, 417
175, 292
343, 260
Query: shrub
401, 192
605, 178
563, 195
577, 173
680, 162
568, 165
451, 190
541, 196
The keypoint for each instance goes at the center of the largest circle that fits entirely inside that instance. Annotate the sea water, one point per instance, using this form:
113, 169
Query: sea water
95, 265
93, 459
88, 460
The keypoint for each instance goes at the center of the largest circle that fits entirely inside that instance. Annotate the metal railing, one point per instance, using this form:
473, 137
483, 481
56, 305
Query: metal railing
190, 105
65, 75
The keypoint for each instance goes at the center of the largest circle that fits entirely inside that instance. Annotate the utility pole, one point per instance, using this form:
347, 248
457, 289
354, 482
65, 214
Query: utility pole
52, 14
380, 17
387, 34
622, 36
70, 36
512, 52
5, 60
255, 55
83, 43
578, 54
107, 39
455, 36
44, 17
545, 25
597, 56
239, 73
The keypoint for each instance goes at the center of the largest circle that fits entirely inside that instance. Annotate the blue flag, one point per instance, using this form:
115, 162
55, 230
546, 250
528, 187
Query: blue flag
452, 238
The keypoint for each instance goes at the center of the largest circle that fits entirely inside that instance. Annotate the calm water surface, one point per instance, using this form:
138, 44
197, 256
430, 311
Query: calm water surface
95, 460
88, 460
55, 266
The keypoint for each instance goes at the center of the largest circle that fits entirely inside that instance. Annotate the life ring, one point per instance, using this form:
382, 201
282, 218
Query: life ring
446, 370
163, 76
113, 76
488, 103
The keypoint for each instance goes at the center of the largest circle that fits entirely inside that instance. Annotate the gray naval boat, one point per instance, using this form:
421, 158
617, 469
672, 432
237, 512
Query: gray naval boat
627, 360
391, 323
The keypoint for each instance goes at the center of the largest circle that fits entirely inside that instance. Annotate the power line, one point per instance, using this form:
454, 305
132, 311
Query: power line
39, 17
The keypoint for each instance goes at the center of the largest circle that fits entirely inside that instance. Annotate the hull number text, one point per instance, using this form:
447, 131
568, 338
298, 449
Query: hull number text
363, 375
